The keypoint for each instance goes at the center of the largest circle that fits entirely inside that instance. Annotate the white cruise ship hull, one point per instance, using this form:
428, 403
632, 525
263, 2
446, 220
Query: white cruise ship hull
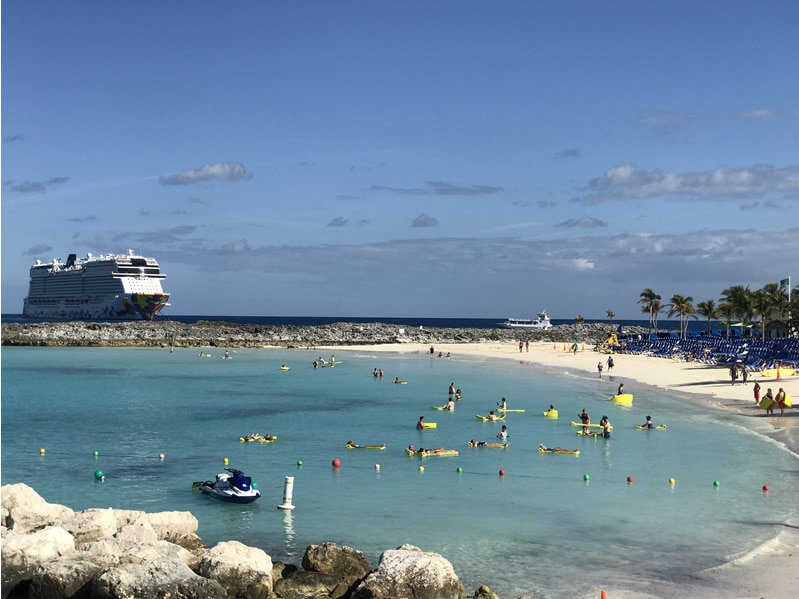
112, 287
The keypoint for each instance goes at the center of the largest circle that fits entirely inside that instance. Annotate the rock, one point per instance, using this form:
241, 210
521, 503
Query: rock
485, 593
246, 572
329, 558
90, 525
24, 510
162, 579
23, 552
307, 585
68, 576
177, 527
409, 573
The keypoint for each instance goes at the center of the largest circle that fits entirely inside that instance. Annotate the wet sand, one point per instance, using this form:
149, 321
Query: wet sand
770, 571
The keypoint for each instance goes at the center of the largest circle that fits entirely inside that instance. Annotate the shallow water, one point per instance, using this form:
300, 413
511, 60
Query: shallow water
542, 529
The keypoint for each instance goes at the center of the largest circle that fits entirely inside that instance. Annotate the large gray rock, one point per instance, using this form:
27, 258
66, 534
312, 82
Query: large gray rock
179, 528
162, 579
330, 558
90, 525
311, 585
24, 510
246, 572
23, 552
410, 573
68, 576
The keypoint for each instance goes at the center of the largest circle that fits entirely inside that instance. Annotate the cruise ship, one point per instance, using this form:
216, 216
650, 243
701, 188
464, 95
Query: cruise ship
106, 287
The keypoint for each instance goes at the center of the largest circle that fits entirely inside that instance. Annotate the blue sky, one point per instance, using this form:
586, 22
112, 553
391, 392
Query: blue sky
430, 159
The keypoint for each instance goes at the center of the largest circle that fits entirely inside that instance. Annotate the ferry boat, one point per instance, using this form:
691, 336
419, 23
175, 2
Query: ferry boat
105, 287
541, 322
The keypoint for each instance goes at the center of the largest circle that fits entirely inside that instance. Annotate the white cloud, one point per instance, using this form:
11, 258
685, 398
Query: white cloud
626, 181
226, 171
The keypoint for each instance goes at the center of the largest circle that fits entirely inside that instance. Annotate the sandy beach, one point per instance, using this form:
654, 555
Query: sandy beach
770, 571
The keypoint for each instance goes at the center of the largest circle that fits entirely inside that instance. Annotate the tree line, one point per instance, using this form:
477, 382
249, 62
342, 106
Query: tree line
751, 308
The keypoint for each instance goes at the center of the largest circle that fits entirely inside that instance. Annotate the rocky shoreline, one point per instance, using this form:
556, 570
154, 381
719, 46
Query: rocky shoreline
222, 334
52, 552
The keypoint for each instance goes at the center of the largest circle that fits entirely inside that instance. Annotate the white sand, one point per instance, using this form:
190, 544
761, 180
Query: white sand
769, 572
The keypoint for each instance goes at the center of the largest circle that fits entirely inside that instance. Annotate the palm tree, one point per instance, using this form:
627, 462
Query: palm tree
650, 303
684, 307
610, 313
740, 298
707, 309
727, 312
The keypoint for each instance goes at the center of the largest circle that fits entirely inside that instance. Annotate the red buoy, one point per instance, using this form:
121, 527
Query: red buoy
629, 479
502, 473
765, 487
336, 463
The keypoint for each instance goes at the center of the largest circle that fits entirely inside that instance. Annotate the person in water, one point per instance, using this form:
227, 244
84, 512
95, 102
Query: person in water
585, 417
458, 394
474, 443
450, 404
504, 405
554, 449
491, 416
648, 423
503, 434
452, 388
621, 389
606, 426
420, 424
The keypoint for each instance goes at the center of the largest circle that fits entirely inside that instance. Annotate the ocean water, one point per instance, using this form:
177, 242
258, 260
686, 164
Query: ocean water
542, 529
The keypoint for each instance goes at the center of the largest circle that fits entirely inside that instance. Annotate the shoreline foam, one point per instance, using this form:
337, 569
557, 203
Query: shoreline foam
768, 571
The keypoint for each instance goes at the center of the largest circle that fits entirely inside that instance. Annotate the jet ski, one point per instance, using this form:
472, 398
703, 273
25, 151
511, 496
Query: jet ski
232, 486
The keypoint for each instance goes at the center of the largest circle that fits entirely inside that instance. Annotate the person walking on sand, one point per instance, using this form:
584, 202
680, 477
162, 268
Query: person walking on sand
610, 364
744, 373
733, 373
757, 393
599, 369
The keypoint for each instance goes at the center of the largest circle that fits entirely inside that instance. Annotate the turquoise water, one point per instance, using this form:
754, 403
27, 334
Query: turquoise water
541, 529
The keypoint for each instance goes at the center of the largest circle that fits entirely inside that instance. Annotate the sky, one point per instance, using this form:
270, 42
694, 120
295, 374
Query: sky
424, 159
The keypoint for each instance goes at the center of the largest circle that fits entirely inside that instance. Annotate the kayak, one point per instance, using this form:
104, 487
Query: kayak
356, 446
486, 418
566, 451
592, 425
551, 413
624, 399
659, 427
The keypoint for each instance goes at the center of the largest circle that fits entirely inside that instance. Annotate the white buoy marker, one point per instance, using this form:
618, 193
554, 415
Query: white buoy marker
288, 492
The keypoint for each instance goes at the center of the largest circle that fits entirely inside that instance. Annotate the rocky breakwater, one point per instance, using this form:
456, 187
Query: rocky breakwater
51, 552
223, 334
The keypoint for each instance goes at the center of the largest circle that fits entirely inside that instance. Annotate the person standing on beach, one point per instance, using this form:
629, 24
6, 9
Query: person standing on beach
770, 406
599, 369
744, 373
757, 393
527, 346
521, 345
781, 401
432, 351
610, 364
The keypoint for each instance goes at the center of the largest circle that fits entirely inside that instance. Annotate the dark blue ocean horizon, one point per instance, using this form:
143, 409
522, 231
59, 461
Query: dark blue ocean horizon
444, 323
